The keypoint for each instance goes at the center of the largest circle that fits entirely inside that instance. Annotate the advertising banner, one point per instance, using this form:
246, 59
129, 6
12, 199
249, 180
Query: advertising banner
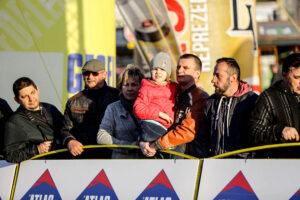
7, 172
49, 41
250, 179
107, 179
214, 29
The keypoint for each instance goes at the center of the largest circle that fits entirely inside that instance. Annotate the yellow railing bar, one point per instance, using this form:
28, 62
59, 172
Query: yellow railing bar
14, 181
270, 146
112, 146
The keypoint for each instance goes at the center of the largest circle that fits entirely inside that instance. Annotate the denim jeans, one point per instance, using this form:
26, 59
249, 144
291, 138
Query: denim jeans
151, 130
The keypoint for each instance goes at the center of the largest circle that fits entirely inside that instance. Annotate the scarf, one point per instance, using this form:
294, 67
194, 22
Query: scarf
128, 104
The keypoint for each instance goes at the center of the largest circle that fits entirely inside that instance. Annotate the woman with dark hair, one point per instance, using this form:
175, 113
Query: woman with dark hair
119, 124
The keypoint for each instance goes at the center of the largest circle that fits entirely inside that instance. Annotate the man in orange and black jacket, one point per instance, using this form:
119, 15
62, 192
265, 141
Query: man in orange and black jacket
190, 102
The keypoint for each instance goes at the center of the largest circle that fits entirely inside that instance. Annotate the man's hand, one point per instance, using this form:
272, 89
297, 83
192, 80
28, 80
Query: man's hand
290, 133
147, 150
44, 147
75, 147
165, 117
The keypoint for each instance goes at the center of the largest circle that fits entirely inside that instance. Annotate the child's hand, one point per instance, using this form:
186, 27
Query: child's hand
165, 117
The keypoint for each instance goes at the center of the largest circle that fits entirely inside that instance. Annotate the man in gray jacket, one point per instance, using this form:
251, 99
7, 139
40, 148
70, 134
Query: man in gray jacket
226, 113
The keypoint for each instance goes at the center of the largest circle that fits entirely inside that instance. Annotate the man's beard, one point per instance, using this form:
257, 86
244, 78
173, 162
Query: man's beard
222, 90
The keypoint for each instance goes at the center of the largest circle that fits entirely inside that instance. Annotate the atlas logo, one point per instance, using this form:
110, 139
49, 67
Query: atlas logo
238, 188
159, 189
296, 196
43, 189
99, 189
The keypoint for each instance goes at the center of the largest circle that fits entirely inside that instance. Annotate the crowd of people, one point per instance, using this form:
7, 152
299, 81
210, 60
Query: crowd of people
156, 113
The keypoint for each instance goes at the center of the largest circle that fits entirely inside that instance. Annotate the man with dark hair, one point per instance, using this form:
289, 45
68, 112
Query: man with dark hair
190, 102
226, 112
276, 117
5, 113
85, 110
34, 127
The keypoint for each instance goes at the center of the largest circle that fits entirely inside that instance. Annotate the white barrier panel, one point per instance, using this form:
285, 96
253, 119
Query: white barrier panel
7, 171
250, 179
107, 179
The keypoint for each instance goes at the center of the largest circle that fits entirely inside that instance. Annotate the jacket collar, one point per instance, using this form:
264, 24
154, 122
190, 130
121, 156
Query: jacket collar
123, 112
187, 90
279, 85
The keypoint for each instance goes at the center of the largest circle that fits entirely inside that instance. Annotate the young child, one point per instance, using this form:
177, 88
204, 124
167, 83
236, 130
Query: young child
156, 99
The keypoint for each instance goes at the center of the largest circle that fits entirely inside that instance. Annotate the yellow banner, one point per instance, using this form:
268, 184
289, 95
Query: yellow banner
49, 41
90, 30
218, 28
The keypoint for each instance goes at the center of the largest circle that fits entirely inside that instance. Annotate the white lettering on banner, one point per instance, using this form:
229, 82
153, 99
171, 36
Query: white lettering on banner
157, 198
18, 32
50, 8
199, 32
41, 197
13, 27
15, 10
96, 197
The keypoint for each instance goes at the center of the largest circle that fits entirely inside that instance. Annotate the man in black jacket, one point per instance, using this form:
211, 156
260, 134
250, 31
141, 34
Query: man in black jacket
84, 111
276, 117
34, 127
226, 113
5, 113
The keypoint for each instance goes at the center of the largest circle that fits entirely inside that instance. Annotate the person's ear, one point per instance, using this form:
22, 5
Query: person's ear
197, 74
105, 74
17, 100
284, 74
233, 77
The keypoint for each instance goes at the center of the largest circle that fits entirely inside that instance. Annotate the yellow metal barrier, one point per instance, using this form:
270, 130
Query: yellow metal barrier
112, 146
224, 155
271, 146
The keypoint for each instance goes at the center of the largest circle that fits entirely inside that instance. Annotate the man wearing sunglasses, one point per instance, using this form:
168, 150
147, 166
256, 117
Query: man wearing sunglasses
84, 111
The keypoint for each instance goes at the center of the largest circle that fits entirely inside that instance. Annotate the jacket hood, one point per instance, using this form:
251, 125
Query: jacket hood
244, 88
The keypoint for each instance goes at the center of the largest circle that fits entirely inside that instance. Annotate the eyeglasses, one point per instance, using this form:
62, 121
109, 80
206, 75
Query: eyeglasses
87, 73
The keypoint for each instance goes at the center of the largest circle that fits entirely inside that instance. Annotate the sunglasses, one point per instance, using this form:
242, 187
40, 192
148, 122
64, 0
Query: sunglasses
87, 73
